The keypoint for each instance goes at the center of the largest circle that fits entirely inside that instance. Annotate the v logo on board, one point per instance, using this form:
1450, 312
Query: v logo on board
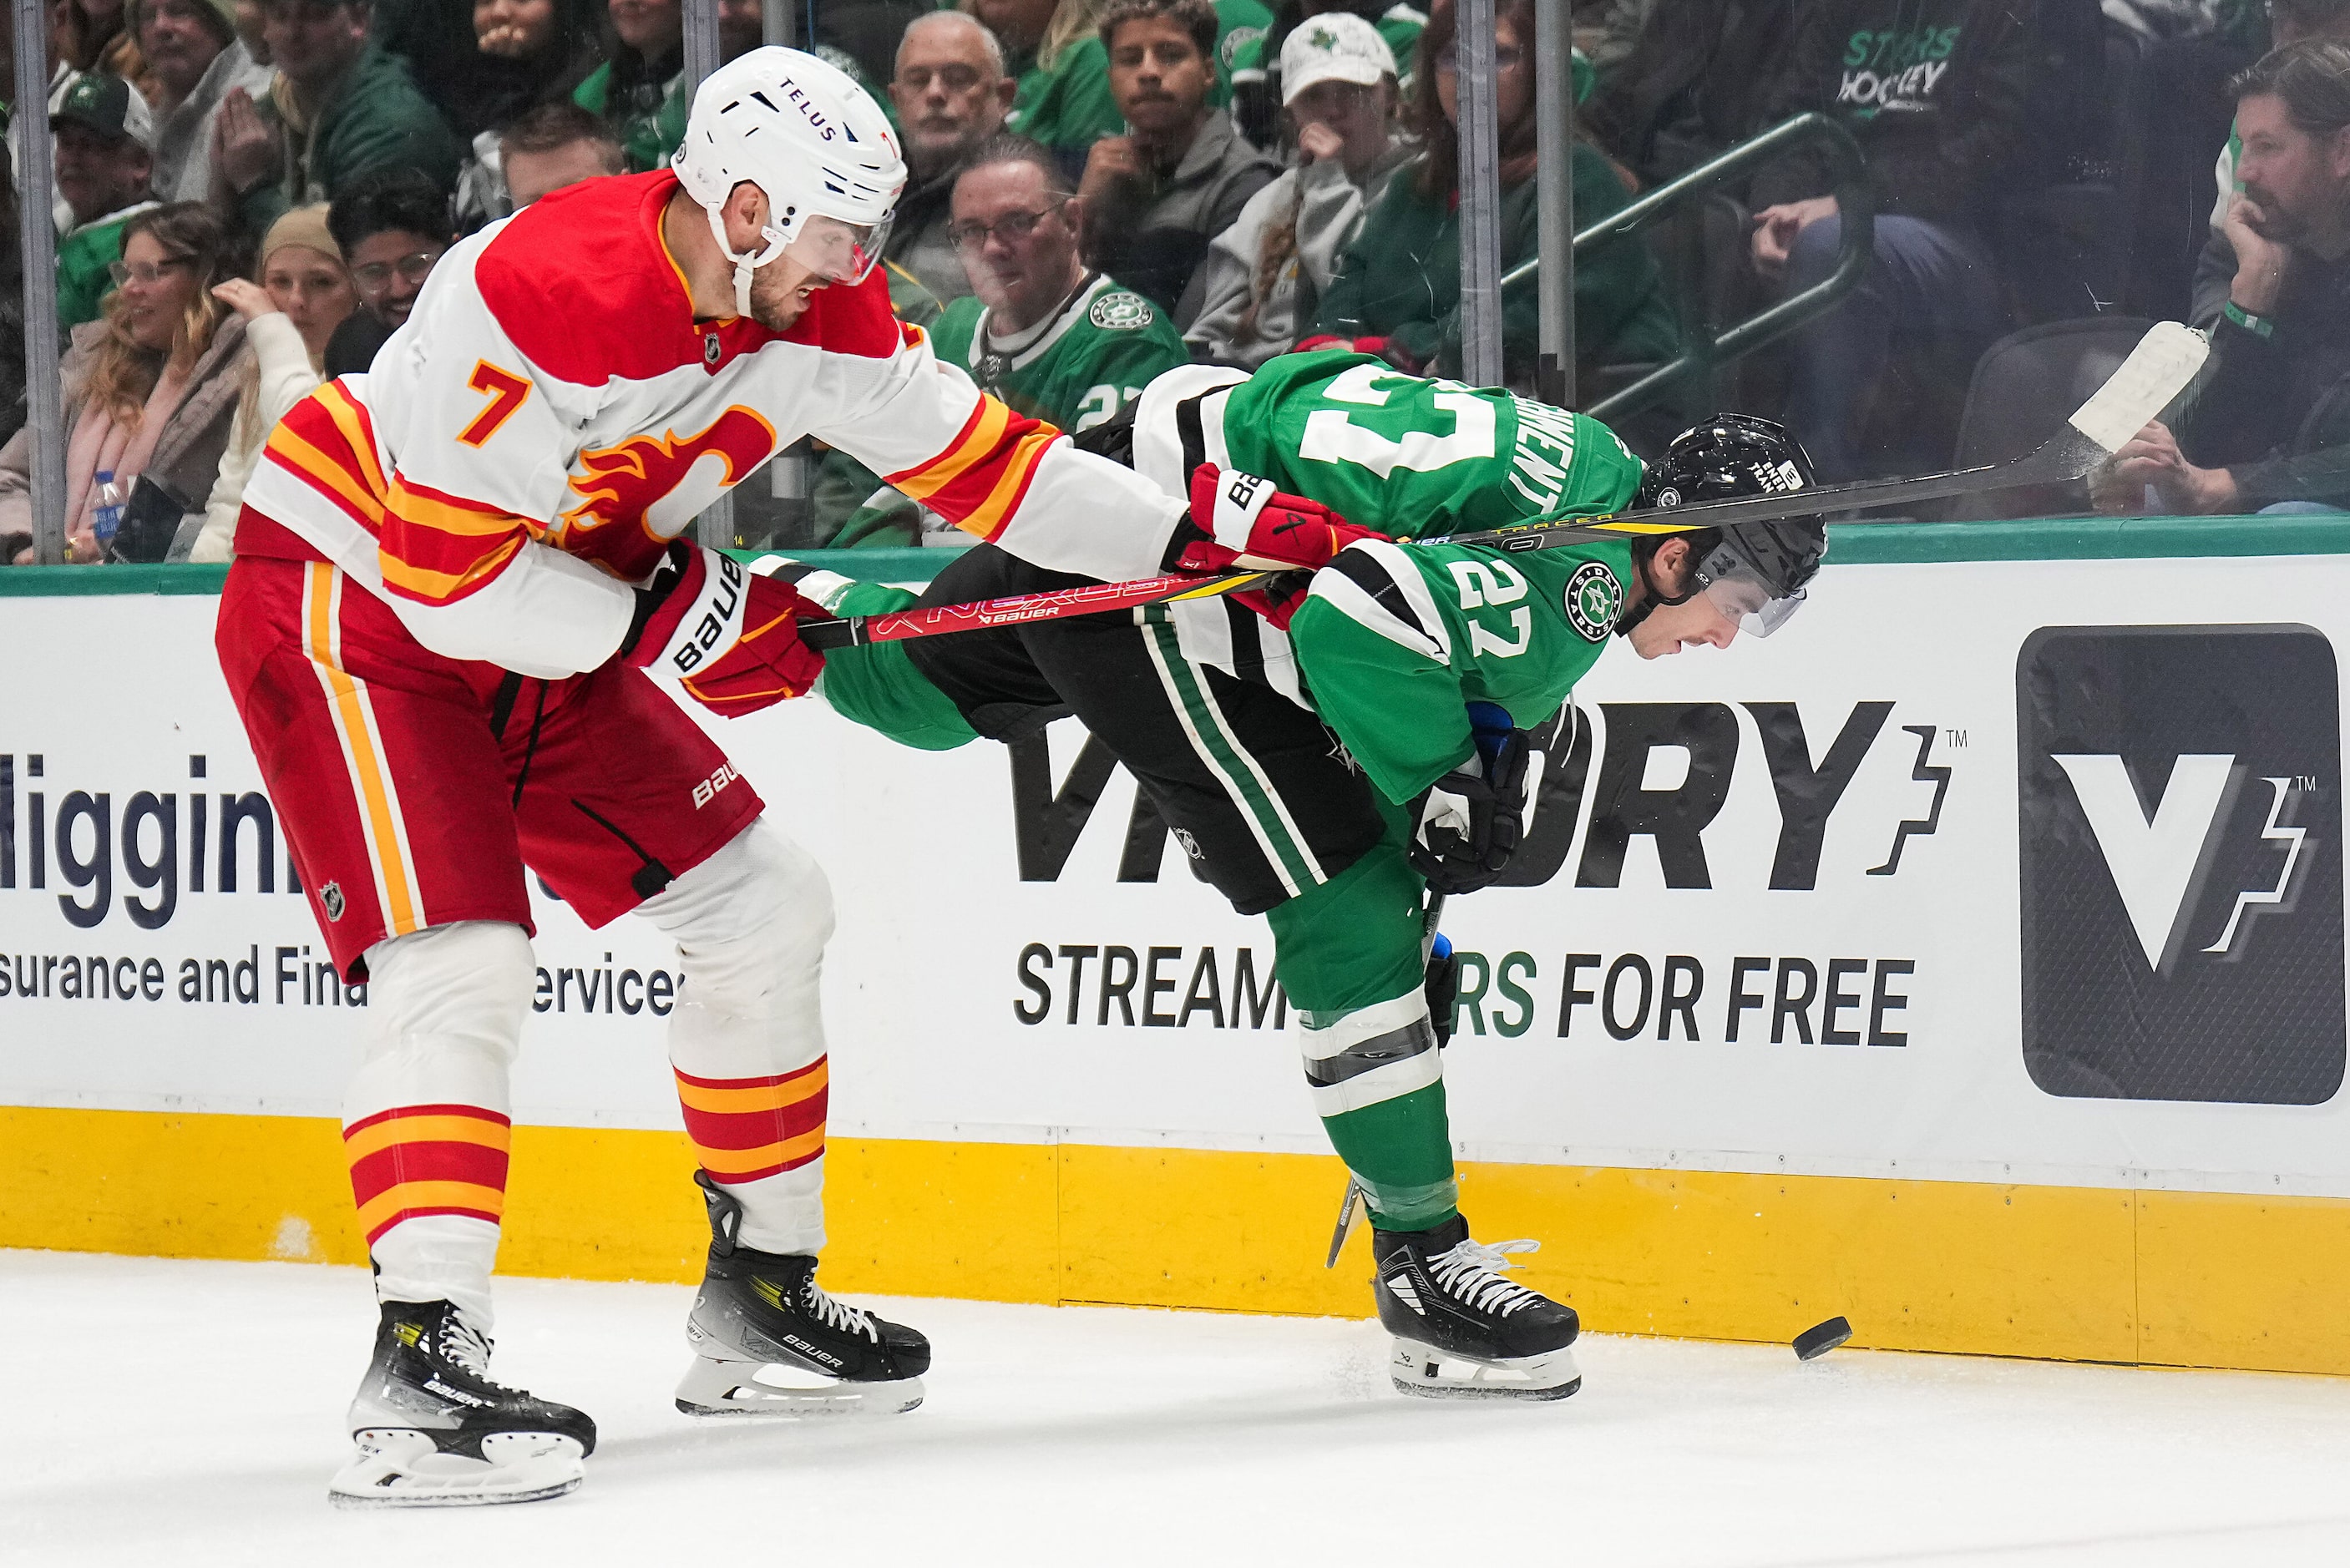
2153, 862
2181, 863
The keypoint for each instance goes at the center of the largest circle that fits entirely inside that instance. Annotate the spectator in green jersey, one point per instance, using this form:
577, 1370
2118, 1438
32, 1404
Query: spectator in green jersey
1051, 337
103, 134
640, 91
1054, 340
1056, 57
1182, 174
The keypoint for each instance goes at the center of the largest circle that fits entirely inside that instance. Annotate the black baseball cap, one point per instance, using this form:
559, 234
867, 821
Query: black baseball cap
108, 104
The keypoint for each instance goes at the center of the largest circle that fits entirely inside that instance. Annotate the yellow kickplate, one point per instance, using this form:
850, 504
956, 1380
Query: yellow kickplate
2179, 1278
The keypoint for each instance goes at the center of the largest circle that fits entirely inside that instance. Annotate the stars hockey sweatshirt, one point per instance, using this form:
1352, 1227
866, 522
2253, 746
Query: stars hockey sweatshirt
1933, 90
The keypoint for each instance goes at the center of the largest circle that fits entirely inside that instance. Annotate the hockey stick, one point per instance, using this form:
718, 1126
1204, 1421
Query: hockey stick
2165, 360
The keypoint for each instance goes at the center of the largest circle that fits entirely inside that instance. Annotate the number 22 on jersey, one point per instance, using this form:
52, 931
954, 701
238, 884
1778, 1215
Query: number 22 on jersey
1493, 583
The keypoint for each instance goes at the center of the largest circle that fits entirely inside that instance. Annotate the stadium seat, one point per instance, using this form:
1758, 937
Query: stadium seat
2023, 387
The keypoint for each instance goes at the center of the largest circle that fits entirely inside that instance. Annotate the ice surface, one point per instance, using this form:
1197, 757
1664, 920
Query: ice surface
186, 1413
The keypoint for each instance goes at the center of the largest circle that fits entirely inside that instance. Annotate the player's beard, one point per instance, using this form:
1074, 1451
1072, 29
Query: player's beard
780, 293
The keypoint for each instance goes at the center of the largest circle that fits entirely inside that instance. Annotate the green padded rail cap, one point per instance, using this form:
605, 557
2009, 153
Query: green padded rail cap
1850, 545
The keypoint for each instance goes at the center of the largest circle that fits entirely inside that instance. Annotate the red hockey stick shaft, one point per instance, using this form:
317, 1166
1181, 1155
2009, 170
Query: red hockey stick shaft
1055, 604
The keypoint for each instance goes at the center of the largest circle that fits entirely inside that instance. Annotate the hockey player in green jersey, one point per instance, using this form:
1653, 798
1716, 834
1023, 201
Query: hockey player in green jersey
1211, 706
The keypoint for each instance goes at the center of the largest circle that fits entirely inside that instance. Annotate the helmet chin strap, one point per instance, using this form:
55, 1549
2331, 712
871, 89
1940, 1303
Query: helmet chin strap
1652, 598
744, 261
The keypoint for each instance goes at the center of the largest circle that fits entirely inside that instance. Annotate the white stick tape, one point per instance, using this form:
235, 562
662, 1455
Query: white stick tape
2156, 370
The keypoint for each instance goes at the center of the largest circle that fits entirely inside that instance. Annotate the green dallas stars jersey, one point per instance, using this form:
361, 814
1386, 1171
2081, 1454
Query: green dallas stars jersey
1395, 642
1076, 369
1415, 458
1392, 671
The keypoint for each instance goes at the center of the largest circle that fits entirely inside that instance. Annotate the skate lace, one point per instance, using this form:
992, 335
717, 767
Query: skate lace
466, 1346
1471, 1273
838, 1316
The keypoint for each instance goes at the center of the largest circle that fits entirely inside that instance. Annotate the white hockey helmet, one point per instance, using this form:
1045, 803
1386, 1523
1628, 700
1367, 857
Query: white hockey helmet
803, 131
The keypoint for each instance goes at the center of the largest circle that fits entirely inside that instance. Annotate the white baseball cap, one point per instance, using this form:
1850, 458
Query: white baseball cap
1335, 46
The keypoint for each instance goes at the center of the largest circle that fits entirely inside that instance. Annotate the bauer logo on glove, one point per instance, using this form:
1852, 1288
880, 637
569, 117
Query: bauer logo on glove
720, 621
729, 636
1241, 520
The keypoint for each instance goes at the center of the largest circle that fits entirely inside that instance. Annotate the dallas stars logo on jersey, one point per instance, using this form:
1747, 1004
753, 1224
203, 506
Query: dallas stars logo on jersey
1121, 312
1594, 600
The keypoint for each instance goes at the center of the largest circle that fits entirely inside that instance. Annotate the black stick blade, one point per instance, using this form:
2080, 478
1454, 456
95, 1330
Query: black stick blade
1820, 1338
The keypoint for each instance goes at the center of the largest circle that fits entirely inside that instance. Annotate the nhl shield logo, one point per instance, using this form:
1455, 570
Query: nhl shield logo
1594, 601
330, 898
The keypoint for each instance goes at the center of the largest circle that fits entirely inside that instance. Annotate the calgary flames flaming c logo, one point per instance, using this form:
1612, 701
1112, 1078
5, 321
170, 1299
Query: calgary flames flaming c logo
619, 484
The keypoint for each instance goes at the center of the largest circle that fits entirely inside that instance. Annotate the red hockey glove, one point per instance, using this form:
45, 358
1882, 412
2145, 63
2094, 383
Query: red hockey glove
1278, 602
1240, 520
729, 636
1385, 349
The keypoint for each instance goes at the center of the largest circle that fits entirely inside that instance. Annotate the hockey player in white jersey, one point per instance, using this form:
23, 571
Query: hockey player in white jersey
454, 577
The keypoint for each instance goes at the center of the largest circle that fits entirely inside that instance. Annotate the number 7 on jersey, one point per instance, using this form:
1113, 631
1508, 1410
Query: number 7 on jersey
507, 392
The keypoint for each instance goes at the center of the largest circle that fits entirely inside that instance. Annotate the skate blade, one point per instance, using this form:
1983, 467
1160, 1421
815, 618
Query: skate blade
403, 1468
1427, 1373
751, 1388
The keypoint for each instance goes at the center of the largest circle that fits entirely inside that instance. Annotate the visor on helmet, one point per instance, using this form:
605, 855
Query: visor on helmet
832, 250
1744, 599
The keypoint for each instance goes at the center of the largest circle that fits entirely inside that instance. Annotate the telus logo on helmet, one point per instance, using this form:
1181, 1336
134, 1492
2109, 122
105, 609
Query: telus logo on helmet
2181, 863
808, 111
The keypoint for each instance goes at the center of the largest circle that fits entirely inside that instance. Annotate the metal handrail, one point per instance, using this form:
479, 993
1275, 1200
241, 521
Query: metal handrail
1856, 205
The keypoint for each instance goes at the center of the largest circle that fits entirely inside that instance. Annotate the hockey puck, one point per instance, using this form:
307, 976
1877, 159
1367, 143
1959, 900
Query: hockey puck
1820, 1338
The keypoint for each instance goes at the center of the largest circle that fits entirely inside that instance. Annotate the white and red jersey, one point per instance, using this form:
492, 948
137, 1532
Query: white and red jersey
552, 415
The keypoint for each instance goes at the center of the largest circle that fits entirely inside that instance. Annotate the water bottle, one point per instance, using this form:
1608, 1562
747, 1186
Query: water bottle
106, 517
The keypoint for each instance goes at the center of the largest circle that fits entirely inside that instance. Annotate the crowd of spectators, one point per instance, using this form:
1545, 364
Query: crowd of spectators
250, 196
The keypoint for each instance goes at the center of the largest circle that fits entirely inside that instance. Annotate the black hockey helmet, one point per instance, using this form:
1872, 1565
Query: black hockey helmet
1754, 571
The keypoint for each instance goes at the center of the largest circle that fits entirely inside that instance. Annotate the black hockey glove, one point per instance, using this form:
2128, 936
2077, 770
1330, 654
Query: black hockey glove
1467, 824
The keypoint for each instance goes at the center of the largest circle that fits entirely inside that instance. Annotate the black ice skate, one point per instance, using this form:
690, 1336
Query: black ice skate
768, 1341
434, 1431
1463, 1331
